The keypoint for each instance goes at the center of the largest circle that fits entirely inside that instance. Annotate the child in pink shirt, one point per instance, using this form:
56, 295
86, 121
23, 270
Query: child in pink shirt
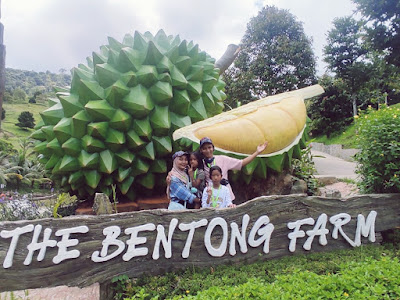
226, 163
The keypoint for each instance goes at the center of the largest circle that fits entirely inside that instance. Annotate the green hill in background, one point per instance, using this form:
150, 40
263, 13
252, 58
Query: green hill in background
27, 91
31, 81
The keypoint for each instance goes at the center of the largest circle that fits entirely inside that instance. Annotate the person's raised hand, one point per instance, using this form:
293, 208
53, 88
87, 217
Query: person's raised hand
190, 171
209, 191
262, 147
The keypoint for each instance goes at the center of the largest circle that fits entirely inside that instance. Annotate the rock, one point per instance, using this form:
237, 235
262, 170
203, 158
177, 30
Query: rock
22, 209
299, 186
275, 184
330, 193
327, 180
102, 204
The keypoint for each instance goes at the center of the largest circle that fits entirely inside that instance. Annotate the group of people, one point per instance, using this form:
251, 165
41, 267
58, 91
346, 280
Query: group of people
200, 179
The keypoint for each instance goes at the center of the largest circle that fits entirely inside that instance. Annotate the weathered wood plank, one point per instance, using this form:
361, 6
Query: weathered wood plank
281, 210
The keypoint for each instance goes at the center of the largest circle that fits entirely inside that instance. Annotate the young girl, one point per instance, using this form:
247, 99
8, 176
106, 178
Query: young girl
216, 195
196, 173
226, 163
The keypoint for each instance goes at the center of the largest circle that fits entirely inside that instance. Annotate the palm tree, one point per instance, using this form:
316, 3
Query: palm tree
8, 170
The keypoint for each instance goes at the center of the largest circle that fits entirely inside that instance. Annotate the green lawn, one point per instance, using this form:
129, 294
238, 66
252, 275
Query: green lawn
13, 133
346, 137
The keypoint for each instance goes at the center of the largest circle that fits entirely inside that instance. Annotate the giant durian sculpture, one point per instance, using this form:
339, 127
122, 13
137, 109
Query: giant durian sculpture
279, 119
114, 125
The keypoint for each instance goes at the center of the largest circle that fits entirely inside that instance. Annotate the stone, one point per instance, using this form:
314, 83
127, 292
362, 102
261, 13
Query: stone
331, 193
22, 209
299, 186
327, 180
102, 204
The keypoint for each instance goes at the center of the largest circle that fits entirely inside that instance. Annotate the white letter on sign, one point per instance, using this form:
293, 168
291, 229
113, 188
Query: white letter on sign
65, 242
319, 229
14, 235
264, 233
135, 240
216, 252
241, 238
35, 245
338, 221
167, 244
112, 233
191, 227
297, 233
365, 228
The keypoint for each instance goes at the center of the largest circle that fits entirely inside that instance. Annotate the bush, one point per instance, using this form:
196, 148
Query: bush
331, 111
26, 120
204, 281
370, 279
6, 147
379, 156
304, 169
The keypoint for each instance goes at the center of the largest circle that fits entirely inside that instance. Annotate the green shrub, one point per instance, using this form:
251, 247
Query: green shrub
26, 120
379, 158
304, 169
6, 147
194, 281
370, 279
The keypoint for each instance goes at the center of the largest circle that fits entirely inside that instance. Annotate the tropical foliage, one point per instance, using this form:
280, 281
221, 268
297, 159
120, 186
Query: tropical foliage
21, 167
379, 158
383, 26
276, 56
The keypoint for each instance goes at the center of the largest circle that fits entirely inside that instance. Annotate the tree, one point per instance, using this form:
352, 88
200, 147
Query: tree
330, 111
276, 56
26, 120
383, 18
3, 114
345, 55
19, 95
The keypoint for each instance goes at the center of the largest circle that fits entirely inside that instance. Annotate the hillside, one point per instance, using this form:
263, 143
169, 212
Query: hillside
22, 85
21, 88
31, 80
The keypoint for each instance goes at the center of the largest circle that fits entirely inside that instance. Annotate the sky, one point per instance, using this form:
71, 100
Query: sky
51, 35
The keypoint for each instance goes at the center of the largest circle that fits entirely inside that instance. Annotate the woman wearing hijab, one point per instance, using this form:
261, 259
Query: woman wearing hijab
178, 189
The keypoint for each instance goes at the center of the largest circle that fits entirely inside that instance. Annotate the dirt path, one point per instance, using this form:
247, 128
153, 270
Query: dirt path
56, 293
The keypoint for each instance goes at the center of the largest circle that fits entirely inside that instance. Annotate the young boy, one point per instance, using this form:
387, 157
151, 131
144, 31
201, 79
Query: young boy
226, 163
216, 195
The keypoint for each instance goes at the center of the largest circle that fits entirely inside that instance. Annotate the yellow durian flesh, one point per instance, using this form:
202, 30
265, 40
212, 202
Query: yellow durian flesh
239, 134
278, 119
271, 123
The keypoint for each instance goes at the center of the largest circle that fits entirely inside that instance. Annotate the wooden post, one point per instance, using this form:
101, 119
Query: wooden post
2, 67
105, 291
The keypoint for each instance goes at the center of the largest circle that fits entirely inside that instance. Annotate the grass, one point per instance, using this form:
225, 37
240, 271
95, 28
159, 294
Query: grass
346, 137
10, 131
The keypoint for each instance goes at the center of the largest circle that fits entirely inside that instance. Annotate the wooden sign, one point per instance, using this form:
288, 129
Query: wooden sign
81, 250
